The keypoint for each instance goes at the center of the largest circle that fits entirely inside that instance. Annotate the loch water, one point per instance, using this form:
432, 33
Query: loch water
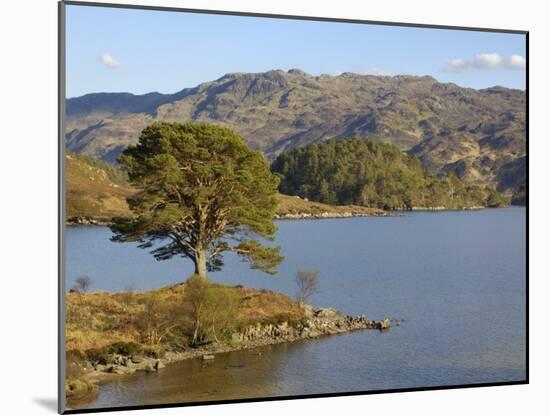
456, 280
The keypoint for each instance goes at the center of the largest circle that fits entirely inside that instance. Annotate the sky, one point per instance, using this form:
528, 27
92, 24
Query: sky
141, 51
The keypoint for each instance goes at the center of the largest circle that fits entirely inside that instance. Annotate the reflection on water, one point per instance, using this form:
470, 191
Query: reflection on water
457, 278
195, 380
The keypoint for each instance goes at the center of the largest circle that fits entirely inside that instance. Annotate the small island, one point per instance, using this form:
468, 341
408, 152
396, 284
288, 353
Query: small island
114, 334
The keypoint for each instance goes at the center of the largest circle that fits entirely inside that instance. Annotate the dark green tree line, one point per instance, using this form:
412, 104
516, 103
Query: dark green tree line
367, 173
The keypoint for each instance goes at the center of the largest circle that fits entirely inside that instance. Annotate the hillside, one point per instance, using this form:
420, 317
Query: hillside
376, 175
97, 192
94, 189
478, 134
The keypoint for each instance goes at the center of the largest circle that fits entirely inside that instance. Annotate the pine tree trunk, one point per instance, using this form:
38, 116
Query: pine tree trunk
200, 263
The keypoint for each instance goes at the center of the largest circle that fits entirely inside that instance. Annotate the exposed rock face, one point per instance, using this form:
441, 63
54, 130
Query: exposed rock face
478, 134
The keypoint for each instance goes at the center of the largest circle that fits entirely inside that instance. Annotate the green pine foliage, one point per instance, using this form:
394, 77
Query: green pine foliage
373, 174
203, 192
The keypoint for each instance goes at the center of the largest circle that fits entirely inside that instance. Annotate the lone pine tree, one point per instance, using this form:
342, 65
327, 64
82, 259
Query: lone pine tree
203, 192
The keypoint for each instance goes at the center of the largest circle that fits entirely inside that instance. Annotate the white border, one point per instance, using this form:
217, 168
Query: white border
29, 203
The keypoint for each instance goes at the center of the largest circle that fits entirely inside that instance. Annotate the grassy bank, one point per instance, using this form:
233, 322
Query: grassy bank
94, 190
148, 325
166, 318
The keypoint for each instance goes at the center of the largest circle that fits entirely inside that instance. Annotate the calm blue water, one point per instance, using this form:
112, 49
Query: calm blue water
456, 278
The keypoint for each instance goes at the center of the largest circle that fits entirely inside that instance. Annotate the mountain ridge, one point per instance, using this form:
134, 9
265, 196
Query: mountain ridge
477, 134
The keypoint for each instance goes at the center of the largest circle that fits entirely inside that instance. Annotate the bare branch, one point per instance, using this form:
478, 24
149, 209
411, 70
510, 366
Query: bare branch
308, 284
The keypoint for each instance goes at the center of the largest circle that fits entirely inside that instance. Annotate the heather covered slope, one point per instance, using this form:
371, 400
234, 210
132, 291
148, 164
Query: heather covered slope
478, 134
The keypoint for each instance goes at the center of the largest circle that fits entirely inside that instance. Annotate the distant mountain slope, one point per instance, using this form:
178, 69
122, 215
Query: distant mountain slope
478, 134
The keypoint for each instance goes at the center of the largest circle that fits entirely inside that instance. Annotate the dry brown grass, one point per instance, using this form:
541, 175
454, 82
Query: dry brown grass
90, 192
98, 319
267, 306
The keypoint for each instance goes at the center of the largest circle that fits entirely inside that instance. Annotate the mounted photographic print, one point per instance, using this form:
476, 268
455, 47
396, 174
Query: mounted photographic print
259, 207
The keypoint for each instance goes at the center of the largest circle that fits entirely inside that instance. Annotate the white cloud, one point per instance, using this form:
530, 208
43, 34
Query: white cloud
457, 65
485, 61
516, 62
109, 61
488, 61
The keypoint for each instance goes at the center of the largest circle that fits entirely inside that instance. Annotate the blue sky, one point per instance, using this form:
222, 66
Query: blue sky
121, 50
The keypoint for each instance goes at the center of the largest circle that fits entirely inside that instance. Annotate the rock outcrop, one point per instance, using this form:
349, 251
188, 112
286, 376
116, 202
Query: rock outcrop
318, 322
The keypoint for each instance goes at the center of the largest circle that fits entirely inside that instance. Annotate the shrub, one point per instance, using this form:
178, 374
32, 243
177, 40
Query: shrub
156, 352
195, 298
95, 355
83, 283
221, 311
213, 309
308, 284
160, 321
125, 349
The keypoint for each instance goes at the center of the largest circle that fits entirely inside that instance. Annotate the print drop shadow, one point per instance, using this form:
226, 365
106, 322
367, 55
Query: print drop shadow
48, 403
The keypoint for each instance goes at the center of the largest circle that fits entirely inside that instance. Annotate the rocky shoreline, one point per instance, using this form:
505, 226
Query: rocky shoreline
86, 221
330, 215
317, 322
443, 208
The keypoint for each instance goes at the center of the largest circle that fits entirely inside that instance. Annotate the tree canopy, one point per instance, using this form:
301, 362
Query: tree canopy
353, 171
203, 192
